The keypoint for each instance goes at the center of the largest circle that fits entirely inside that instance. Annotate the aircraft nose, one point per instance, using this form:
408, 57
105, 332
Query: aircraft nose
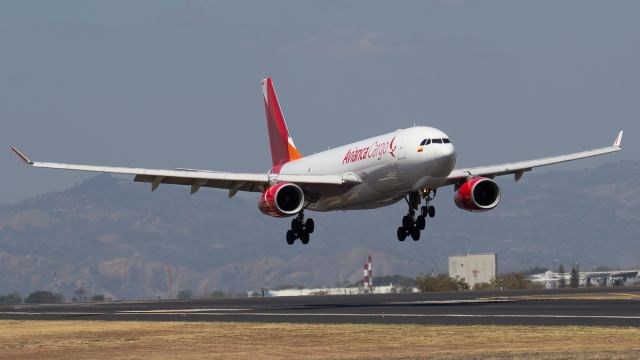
448, 150
447, 156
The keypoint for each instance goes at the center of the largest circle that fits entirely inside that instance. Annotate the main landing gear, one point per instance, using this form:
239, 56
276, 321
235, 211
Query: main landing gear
412, 225
300, 229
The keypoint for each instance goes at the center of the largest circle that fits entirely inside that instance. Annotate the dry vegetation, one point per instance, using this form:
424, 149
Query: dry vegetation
194, 340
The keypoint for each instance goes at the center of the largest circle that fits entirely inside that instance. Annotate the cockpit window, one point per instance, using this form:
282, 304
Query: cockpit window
437, 141
425, 142
446, 141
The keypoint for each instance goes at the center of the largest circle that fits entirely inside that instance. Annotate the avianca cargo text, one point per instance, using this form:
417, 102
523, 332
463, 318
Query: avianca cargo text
376, 151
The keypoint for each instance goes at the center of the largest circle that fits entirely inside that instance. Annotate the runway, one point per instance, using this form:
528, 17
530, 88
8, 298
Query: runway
588, 307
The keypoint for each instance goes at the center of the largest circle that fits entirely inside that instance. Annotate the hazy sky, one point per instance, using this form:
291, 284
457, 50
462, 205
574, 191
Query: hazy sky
169, 84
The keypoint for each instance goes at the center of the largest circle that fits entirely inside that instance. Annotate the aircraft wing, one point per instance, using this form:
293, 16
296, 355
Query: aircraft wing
458, 176
233, 182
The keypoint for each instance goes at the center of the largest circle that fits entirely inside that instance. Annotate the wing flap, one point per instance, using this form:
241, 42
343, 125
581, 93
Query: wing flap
197, 183
234, 182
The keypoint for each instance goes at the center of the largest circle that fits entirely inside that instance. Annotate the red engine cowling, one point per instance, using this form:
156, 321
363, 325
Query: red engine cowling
282, 200
479, 194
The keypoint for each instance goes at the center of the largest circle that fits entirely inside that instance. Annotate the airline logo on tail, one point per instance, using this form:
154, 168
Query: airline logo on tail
283, 149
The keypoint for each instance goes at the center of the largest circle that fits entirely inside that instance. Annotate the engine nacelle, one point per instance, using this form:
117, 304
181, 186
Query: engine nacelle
479, 194
282, 200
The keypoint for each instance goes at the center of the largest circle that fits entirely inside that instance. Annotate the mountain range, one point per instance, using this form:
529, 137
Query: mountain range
112, 236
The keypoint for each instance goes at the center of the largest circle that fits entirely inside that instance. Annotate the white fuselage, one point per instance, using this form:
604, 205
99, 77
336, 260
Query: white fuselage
390, 166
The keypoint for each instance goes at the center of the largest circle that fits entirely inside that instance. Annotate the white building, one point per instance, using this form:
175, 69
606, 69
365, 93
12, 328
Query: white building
473, 268
551, 279
337, 291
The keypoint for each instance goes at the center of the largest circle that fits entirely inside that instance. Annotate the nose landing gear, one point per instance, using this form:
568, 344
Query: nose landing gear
412, 225
300, 229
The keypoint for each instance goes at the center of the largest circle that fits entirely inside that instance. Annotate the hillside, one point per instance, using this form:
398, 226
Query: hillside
113, 236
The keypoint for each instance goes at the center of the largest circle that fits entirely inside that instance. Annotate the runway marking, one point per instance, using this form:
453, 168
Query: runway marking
468, 301
178, 311
49, 313
531, 306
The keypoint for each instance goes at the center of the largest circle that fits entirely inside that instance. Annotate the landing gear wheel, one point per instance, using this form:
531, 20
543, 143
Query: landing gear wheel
304, 238
424, 211
300, 229
309, 226
407, 222
412, 225
296, 225
291, 237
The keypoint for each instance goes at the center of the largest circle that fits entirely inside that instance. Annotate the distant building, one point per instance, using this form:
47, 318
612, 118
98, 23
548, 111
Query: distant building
389, 289
473, 268
551, 279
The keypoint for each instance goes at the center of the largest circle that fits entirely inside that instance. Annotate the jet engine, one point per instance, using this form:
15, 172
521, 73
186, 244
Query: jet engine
282, 200
479, 194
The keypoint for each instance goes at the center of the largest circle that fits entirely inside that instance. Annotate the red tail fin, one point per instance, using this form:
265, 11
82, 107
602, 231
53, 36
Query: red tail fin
283, 149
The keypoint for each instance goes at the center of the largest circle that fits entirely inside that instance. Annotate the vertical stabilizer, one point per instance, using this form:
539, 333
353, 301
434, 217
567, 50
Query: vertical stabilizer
283, 149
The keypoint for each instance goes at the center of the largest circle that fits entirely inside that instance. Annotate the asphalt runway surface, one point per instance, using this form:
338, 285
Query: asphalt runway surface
457, 308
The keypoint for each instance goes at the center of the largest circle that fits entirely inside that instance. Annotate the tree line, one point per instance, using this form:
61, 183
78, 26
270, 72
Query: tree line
80, 295
43, 297
443, 282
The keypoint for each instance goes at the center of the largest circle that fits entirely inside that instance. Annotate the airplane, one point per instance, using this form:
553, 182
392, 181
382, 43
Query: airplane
410, 164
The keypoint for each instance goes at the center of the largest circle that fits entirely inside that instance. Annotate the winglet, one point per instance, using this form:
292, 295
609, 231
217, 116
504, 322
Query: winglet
618, 141
22, 156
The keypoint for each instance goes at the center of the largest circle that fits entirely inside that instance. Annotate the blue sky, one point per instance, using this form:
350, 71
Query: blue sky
169, 84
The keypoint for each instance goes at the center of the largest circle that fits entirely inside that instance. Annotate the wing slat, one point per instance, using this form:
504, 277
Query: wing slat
520, 167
